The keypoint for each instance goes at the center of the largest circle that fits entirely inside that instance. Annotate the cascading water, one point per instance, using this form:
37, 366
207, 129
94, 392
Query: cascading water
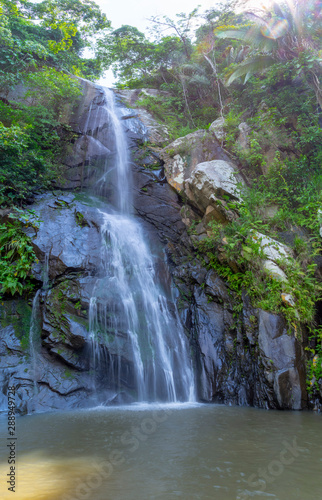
133, 334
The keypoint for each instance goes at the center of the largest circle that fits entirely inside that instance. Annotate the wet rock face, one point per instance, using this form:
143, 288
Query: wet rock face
92, 147
50, 364
246, 358
57, 386
282, 360
68, 236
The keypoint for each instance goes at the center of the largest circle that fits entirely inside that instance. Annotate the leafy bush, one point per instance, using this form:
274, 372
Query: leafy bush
169, 111
315, 365
16, 254
53, 89
35, 138
21, 169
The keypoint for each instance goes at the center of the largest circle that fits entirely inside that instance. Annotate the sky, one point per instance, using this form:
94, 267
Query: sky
136, 13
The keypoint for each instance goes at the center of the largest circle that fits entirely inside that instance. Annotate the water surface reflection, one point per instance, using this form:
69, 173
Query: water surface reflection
169, 452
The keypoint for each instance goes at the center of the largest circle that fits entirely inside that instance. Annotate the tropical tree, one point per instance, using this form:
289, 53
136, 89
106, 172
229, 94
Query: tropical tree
290, 32
52, 33
181, 28
127, 51
70, 17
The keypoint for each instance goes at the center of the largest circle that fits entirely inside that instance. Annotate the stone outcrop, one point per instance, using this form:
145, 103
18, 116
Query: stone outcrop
252, 361
243, 139
212, 180
183, 155
217, 128
68, 239
210, 186
274, 252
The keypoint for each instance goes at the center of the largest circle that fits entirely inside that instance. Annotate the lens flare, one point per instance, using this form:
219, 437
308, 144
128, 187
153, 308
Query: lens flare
275, 28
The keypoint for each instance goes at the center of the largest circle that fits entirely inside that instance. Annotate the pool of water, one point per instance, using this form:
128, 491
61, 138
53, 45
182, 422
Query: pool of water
147, 452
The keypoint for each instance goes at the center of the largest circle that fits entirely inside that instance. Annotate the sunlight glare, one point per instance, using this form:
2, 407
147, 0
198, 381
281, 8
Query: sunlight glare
44, 478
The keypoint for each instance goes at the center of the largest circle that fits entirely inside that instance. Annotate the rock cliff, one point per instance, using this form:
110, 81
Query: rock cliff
241, 355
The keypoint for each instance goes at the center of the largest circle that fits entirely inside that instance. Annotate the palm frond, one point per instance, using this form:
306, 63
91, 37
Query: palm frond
235, 32
251, 34
250, 67
242, 53
199, 80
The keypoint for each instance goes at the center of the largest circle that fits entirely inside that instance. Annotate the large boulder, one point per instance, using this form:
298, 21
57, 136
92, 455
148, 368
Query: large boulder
211, 181
273, 250
183, 155
274, 271
217, 128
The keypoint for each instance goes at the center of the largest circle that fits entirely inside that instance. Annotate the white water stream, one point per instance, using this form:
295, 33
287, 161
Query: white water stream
129, 311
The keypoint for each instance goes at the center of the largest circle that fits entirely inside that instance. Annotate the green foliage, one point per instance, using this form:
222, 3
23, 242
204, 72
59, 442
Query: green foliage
31, 150
34, 138
80, 219
133, 57
63, 30
265, 292
282, 116
16, 254
18, 314
85, 15
314, 372
21, 168
53, 89
232, 120
169, 111
68, 374
128, 51
289, 33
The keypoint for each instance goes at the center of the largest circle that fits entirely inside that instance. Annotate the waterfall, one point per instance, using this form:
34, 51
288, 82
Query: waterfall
134, 329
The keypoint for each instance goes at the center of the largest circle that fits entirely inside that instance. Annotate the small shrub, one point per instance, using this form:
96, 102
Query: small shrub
17, 255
